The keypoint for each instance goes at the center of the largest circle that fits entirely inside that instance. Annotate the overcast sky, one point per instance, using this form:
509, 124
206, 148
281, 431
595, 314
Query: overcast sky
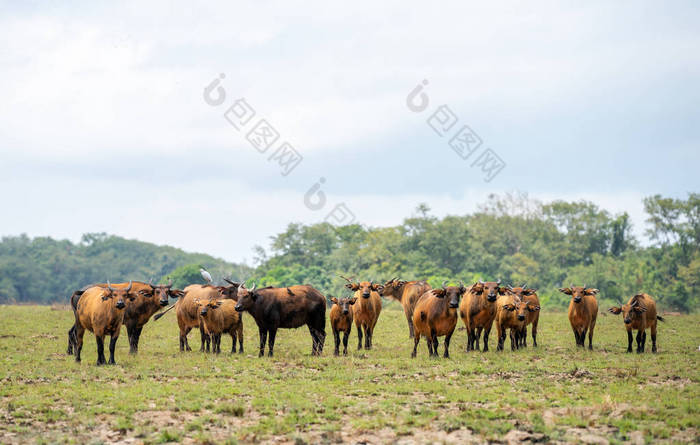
104, 126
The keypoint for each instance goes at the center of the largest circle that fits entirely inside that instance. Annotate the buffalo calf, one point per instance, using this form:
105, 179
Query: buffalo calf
341, 321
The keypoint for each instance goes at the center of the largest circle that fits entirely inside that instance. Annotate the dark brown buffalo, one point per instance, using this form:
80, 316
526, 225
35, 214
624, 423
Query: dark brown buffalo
287, 308
583, 311
407, 293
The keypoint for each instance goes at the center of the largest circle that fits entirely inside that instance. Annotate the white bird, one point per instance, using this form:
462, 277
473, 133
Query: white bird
206, 275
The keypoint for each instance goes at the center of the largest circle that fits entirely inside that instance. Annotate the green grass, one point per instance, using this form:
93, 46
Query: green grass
554, 392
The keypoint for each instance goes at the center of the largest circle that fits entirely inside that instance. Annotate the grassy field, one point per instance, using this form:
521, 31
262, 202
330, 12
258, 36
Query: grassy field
554, 393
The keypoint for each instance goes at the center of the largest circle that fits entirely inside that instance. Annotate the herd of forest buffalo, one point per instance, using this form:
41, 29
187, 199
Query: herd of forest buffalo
430, 313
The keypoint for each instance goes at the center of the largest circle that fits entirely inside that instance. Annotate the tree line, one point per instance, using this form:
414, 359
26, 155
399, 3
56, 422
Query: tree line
511, 237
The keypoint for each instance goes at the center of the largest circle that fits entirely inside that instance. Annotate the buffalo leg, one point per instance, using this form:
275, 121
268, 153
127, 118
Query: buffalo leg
138, 338
639, 341
523, 338
512, 340
271, 344
79, 332
240, 340
100, 349
534, 334
583, 338
71, 340
629, 340
470, 340
346, 336
315, 340
321, 335
434, 340
112, 346
653, 338
429, 342
263, 340
187, 343
590, 335
501, 337
477, 337
368, 337
409, 320
416, 339
447, 344
233, 344
576, 335
644, 340
131, 335
336, 337
206, 339
359, 337
487, 331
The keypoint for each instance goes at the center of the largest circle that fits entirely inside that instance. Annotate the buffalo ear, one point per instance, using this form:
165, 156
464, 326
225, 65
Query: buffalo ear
145, 293
254, 296
640, 308
502, 290
509, 307
592, 291
615, 310
533, 308
478, 289
352, 301
177, 293
219, 303
334, 300
440, 293
566, 290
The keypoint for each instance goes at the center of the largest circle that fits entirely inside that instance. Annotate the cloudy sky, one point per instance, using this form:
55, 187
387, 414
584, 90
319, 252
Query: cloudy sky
104, 125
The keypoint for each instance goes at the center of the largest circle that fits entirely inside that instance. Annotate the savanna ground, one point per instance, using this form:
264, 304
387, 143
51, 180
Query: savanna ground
554, 393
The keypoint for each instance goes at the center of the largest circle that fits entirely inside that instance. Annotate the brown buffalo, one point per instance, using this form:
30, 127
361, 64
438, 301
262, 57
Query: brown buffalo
187, 312
407, 293
583, 311
435, 316
285, 307
219, 316
341, 321
510, 316
478, 311
101, 311
366, 310
639, 314
531, 311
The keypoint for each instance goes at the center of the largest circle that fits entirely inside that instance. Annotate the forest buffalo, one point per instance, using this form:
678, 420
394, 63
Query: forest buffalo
288, 308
